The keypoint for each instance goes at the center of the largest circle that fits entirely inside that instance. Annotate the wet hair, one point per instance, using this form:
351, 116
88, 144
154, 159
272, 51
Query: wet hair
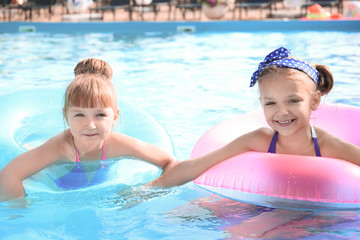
90, 91
325, 82
94, 66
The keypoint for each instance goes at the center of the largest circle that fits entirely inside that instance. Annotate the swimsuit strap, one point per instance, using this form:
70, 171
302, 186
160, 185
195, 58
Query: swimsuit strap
103, 157
316, 143
272, 147
77, 154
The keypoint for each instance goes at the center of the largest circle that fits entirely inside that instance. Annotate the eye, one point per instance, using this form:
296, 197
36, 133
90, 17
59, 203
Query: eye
269, 103
101, 115
79, 115
294, 100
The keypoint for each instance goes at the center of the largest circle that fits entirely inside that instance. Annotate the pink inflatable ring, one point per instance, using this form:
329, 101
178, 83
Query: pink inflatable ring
285, 181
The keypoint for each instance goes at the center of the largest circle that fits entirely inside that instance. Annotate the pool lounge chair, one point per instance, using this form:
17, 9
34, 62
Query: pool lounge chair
142, 7
160, 3
37, 6
113, 6
188, 5
9, 8
255, 4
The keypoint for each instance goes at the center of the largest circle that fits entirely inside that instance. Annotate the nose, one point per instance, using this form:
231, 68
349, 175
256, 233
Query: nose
282, 110
90, 124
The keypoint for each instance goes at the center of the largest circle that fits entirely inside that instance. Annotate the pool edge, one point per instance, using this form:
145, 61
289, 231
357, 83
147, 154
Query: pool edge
176, 27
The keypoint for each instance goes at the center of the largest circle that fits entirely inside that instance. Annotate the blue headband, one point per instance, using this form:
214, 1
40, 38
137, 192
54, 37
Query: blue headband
280, 58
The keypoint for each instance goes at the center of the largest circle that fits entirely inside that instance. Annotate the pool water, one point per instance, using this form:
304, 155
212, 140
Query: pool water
189, 83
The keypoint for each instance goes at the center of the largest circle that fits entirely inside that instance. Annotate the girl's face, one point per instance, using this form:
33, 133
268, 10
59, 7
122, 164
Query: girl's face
287, 97
90, 124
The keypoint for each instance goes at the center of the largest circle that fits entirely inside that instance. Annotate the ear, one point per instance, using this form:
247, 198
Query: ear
316, 100
116, 116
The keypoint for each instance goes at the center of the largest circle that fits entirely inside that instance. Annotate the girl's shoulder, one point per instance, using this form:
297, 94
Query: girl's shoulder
257, 140
264, 136
63, 138
325, 137
61, 144
265, 132
119, 144
116, 138
330, 145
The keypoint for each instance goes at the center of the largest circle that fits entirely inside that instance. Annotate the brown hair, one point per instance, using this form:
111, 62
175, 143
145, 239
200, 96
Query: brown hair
90, 91
325, 82
94, 66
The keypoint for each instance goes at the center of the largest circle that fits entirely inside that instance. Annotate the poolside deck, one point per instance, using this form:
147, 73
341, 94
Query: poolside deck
60, 13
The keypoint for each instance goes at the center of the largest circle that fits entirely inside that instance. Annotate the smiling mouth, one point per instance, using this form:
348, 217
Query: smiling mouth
90, 135
285, 123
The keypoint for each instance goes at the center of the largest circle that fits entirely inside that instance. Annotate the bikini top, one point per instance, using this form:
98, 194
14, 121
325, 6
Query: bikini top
77, 177
272, 148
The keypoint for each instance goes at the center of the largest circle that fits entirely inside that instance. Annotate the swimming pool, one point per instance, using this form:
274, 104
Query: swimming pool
188, 82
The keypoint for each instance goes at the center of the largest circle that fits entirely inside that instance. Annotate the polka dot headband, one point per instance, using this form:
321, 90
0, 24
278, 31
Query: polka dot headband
280, 58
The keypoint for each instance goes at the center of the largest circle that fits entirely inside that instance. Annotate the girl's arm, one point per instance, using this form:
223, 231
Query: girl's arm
188, 170
25, 165
351, 153
128, 146
331, 146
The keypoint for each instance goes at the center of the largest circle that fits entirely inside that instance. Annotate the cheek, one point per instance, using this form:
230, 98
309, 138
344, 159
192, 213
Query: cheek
75, 123
304, 111
107, 126
73, 127
267, 114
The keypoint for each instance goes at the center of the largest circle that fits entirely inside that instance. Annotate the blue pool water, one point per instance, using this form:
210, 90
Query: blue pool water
188, 82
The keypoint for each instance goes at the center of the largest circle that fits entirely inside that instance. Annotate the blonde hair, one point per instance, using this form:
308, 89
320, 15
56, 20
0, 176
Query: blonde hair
90, 91
94, 66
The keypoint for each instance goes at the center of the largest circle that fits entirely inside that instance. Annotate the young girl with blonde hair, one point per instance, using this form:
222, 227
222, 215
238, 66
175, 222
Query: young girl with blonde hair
90, 110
